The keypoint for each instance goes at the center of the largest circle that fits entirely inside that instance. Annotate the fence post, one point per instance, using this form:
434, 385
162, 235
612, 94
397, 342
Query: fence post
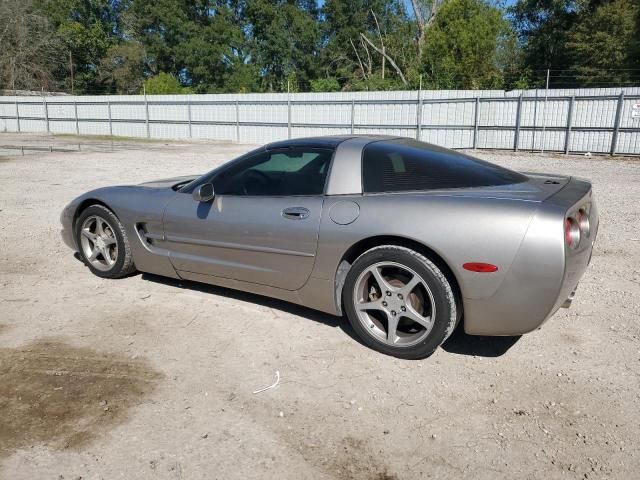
146, 113
189, 116
75, 111
18, 115
237, 121
544, 115
616, 125
516, 136
46, 112
110, 122
419, 112
567, 138
535, 120
353, 113
475, 123
288, 110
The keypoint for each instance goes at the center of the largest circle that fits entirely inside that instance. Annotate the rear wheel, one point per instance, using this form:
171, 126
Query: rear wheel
103, 243
399, 302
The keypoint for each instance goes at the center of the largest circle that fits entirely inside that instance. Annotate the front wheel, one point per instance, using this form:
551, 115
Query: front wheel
399, 302
103, 243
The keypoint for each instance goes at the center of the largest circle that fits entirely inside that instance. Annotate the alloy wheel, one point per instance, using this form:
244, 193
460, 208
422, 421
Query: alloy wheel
394, 304
98, 242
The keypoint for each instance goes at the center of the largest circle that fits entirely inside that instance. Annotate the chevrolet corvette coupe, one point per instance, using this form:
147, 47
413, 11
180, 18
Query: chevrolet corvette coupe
406, 238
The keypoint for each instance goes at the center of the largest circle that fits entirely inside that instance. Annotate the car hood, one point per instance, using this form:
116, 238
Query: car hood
169, 182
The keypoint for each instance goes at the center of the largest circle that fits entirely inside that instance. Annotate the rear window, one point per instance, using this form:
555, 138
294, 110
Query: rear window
406, 165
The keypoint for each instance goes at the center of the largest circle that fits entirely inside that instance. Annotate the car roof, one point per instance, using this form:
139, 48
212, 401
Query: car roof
328, 141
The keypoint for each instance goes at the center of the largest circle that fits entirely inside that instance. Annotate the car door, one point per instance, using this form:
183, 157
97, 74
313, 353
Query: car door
262, 224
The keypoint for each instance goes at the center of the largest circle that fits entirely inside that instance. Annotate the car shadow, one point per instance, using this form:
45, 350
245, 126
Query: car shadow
458, 343
78, 257
287, 307
461, 343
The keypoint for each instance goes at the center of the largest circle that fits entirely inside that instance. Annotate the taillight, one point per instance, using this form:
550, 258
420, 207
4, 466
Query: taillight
582, 218
571, 232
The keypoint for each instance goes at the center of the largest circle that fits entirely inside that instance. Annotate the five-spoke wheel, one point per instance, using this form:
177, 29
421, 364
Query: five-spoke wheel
102, 242
98, 242
399, 302
394, 303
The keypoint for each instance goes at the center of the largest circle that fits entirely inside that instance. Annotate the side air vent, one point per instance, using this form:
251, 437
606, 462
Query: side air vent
146, 236
151, 242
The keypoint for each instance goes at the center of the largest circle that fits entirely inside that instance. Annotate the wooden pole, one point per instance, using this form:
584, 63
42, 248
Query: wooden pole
71, 69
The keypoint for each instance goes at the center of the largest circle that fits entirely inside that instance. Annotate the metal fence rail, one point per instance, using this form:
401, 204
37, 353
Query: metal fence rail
562, 121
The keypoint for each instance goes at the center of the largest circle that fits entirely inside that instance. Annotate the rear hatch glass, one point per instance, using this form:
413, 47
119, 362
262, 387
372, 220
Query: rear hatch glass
409, 165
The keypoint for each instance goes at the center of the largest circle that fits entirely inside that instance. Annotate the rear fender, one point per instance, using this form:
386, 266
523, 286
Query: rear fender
457, 229
544, 273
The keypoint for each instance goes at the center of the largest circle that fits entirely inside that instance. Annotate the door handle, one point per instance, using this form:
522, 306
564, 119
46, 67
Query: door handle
295, 213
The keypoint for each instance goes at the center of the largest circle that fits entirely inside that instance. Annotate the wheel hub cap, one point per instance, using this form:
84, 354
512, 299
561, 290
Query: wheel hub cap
394, 304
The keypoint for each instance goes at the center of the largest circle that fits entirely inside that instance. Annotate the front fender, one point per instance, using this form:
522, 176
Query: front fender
136, 207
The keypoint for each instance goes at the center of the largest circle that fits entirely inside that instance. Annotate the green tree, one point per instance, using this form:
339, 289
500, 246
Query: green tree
122, 69
29, 52
542, 27
201, 43
215, 56
286, 37
87, 29
242, 77
348, 57
162, 26
604, 44
164, 84
330, 84
270, 45
461, 45
511, 62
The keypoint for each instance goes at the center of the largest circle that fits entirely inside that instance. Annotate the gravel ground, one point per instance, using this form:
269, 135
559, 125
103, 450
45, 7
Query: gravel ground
152, 378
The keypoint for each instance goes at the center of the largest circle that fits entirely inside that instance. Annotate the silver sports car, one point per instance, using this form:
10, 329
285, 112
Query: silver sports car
405, 238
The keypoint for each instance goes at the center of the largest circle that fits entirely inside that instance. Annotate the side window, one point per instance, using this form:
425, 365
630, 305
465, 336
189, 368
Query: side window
277, 173
408, 165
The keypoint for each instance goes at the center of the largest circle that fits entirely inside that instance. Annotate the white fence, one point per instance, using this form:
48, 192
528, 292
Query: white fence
602, 120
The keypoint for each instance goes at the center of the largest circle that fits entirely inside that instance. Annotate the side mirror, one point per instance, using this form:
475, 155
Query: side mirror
203, 193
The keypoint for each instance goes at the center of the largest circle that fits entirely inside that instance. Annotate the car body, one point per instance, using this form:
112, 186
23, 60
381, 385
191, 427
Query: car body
513, 246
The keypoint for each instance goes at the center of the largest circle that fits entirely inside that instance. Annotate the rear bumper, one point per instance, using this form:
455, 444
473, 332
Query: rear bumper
576, 264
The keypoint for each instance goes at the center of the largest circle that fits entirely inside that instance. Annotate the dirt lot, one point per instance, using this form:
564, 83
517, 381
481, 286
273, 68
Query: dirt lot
153, 378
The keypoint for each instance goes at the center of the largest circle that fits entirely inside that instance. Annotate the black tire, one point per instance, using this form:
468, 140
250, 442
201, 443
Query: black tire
123, 264
444, 301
